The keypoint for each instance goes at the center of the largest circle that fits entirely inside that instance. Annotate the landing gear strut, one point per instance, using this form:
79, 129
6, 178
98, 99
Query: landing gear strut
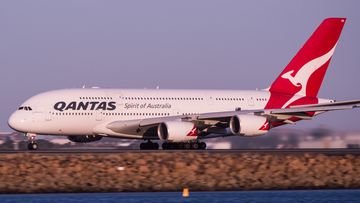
149, 145
184, 145
32, 145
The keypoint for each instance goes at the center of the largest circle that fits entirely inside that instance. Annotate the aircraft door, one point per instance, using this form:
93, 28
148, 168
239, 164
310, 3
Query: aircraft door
251, 101
48, 116
175, 112
99, 115
210, 99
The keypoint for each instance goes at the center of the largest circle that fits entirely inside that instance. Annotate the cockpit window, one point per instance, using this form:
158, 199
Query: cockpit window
26, 108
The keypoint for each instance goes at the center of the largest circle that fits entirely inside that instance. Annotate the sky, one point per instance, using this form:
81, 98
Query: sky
189, 44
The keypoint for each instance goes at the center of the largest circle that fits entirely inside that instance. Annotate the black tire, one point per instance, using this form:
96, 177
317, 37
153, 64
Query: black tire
187, 145
202, 145
143, 146
32, 146
164, 145
155, 146
195, 145
174, 145
29, 146
180, 145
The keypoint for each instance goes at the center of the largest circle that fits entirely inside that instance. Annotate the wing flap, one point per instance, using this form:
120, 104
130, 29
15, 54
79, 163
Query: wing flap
310, 109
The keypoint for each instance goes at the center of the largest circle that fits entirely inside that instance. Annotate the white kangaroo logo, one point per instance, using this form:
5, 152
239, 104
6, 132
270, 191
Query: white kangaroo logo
302, 76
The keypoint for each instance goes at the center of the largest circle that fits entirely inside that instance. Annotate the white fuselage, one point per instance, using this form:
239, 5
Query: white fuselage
89, 111
69, 117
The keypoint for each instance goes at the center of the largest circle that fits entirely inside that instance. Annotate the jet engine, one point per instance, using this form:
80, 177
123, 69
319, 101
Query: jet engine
249, 125
84, 138
177, 131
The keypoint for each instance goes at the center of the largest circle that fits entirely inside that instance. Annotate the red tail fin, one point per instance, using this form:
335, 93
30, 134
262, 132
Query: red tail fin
305, 72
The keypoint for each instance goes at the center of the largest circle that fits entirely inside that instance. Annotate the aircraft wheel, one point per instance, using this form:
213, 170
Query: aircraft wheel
180, 145
155, 146
149, 145
171, 146
202, 145
195, 145
32, 146
187, 145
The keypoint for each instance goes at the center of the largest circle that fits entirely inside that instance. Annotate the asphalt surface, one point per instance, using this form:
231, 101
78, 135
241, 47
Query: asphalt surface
263, 151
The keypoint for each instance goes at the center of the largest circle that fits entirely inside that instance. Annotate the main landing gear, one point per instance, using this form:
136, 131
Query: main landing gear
32, 145
173, 145
184, 145
149, 145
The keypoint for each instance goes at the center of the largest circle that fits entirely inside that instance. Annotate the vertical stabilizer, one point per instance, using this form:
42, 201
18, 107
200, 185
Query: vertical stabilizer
305, 72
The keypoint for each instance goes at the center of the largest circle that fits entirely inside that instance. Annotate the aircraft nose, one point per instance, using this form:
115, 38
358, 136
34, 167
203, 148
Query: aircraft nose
15, 121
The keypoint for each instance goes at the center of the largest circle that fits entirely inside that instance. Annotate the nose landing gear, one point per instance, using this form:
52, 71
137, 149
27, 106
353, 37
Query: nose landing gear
32, 145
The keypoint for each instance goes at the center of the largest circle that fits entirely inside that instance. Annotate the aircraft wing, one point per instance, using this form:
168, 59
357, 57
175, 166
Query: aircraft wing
302, 112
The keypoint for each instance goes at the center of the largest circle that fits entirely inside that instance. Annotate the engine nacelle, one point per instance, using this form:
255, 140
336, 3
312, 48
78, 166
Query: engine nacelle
84, 138
177, 131
249, 125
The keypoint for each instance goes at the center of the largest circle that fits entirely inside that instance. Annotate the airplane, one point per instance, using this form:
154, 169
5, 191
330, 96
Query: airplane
181, 119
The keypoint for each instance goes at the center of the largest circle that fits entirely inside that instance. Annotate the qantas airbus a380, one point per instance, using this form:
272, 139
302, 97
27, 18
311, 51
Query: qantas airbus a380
181, 118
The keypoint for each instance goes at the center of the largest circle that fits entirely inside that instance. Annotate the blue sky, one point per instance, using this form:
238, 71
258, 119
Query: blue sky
47, 45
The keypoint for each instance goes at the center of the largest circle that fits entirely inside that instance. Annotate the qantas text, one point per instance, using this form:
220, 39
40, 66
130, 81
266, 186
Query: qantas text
92, 105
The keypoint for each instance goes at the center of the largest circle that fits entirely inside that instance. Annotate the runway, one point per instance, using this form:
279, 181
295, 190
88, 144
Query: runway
333, 151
